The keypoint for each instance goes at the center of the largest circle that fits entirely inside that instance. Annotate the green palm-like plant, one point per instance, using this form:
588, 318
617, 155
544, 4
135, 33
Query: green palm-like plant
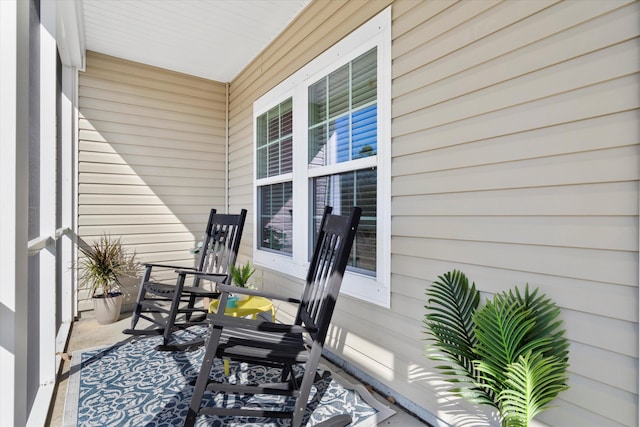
510, 354
240, 275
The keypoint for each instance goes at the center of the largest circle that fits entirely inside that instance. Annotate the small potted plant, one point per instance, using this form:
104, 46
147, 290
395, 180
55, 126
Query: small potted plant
240, 277
100, 268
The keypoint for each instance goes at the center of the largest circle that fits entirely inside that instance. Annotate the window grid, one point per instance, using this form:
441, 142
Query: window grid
274, 148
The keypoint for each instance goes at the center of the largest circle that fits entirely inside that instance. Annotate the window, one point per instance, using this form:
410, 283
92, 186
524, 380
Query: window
343, 128
274, 164
322, 137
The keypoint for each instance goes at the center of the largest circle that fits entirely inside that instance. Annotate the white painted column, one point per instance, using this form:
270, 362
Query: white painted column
14, 209
71, 46
46, 314
67, 199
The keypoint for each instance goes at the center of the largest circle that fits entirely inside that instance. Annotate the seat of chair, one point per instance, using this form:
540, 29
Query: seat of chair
253, 344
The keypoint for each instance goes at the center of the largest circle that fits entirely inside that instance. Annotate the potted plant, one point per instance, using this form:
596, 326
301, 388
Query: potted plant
509, 353
100, 269
240, 277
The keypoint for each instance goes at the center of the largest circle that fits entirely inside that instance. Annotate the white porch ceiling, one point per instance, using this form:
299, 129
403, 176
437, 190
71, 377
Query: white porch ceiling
214, 39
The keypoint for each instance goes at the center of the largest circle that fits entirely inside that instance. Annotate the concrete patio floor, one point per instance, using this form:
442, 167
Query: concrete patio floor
87, 333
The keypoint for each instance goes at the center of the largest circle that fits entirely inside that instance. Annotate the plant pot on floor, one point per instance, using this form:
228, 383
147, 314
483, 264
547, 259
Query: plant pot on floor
107, 310
100, 267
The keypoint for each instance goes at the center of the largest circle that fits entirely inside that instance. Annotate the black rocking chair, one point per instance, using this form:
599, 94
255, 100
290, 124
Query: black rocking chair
281, 345
161, 303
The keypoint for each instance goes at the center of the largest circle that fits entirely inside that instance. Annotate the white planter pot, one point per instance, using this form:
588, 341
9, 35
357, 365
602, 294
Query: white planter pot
107, 310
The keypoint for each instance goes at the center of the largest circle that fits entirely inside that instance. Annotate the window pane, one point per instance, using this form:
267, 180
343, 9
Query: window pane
364, 79
364, 132
350, 129
261, 153
286, 119
274, 124
286, 153
366, 235
338, 143
317, 146
342, 192
273, 166
276, 217
318, 102
339, 91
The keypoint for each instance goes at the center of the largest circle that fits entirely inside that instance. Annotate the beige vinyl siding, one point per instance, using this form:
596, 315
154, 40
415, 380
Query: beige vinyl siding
515, 144
515, 139
151, 157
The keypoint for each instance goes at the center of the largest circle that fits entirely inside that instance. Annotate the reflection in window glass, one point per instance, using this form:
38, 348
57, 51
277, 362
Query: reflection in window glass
342, 192
274, 136
276, 217
343, 113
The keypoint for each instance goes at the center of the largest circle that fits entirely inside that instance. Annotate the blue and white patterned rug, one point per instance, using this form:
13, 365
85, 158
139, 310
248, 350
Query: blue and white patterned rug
132, 384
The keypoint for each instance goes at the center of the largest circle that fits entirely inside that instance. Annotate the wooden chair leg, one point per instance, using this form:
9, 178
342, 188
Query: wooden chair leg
203, 376
192, 304
306, 384
173, 312
141, 294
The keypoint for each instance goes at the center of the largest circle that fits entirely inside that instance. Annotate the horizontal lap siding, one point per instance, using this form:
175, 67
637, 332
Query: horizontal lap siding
151, 157
515, 141
515, 145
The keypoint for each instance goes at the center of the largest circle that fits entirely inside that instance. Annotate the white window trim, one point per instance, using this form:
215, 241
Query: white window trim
374, 33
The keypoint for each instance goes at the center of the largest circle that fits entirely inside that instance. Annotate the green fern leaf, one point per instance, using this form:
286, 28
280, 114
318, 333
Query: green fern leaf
533, 381
547, 332
502, 327
451, 304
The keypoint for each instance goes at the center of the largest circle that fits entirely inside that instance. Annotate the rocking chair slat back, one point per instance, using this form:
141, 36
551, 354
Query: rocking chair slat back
328, 265
221, 244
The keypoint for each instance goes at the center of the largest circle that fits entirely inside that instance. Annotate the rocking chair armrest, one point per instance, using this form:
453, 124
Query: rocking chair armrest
256, 293
214, 277
220, 320
173, 267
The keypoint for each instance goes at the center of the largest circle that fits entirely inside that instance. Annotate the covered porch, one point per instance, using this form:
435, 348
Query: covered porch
500, 138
